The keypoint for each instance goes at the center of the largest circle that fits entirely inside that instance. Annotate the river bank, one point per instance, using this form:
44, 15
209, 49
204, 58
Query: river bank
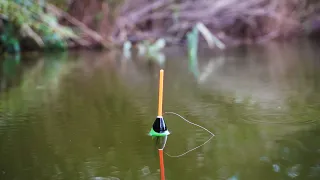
37, 25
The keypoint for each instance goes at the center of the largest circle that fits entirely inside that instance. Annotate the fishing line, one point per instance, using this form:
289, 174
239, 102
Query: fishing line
175, 156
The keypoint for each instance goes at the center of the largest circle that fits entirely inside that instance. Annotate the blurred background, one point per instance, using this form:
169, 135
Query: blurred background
79, 87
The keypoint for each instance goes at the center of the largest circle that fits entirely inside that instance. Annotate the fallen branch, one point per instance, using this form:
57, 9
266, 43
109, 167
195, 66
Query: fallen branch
87, 31
27, 31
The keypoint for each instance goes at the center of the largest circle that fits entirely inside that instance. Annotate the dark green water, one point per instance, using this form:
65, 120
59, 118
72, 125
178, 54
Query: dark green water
86, 115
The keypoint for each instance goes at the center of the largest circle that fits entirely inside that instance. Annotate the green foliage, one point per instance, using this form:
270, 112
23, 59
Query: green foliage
25, 19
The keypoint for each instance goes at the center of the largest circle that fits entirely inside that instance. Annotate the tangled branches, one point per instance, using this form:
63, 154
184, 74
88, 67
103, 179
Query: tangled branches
232, 21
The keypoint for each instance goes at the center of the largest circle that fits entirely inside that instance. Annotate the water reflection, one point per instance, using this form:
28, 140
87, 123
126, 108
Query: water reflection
86, 115
9, 70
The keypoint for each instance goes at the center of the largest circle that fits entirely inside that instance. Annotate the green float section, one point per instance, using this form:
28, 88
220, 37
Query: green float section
159, 128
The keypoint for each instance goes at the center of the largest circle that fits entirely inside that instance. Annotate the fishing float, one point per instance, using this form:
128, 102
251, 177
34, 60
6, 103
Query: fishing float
159, 128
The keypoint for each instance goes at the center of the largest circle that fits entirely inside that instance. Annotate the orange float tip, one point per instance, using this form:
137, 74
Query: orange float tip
160, 100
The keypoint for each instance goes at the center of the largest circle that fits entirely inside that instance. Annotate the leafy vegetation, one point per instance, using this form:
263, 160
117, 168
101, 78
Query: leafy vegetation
27, 21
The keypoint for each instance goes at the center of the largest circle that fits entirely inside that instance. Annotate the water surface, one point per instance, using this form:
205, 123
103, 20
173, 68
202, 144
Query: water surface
86, 115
